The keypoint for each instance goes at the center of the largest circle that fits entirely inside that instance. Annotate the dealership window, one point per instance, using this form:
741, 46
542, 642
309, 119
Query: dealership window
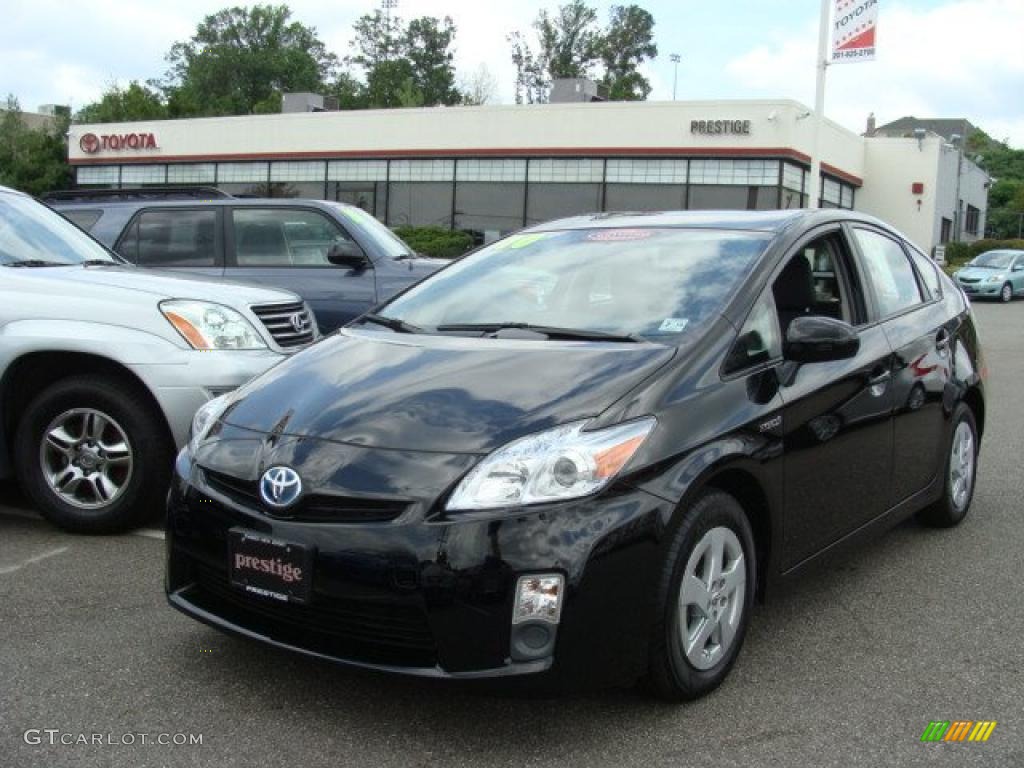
566, 170
738, 172
646, 171
971, 222
267, 237
98, 176
142, 175
708, 197
358, 182
171, 238
645, 197
553, 201
485, 169
242, 172
831, 195
846, 196
420, 204
489, 209
297, 179
192, 173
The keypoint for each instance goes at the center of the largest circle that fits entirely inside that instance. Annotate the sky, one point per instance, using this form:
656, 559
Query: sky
936, 58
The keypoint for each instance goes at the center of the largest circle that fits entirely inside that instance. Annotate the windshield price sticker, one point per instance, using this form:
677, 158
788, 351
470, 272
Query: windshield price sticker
619, 235
673, 324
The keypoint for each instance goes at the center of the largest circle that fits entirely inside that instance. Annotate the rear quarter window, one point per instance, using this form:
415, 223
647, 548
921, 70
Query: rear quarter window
84, 219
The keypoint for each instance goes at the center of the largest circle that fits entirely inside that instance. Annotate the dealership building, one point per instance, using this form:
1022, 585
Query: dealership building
493, 169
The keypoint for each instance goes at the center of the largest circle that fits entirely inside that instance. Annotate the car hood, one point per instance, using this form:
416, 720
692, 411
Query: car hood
166, 285
981, 273
439, 393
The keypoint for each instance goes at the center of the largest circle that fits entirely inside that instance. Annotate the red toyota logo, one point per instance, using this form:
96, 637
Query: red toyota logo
90, 143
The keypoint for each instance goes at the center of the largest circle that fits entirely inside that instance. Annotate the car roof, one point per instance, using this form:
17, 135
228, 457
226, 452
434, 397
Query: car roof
280, 202
753, 221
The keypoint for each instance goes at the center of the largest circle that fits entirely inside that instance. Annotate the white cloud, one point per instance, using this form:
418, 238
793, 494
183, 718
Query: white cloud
961, 59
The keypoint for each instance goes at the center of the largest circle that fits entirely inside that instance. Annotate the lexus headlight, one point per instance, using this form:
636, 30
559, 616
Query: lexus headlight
555, 465
206, 325
205, 418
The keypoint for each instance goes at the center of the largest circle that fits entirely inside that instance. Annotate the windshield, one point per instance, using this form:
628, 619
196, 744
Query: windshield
661, 284
32, 233
995, 260
387, 241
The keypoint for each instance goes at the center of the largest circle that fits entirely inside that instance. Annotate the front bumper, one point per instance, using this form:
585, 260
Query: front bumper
981, 290
181, 385
433, 599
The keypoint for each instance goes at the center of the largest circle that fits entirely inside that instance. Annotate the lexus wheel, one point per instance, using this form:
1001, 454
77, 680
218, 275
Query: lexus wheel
93, 455
705, 600
960, 473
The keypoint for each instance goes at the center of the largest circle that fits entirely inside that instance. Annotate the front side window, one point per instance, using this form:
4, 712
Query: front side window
889, 272
760, 341
664, 284
172, 238
282, 237
33, 234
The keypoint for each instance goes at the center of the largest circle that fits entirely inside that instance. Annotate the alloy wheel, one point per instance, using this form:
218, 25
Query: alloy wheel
711, 597
1006, 294
961, 465
86, 458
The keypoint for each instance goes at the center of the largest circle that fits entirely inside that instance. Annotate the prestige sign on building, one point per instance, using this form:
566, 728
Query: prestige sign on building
854, 23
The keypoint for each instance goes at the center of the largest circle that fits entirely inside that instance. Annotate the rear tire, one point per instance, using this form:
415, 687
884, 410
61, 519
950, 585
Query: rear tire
93, 454
703, 608
960, 473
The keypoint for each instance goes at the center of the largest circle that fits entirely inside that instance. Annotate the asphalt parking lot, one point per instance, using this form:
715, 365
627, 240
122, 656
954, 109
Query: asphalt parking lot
845, 668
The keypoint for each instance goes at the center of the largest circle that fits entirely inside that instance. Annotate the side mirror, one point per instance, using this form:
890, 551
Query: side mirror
816, 339
345, 253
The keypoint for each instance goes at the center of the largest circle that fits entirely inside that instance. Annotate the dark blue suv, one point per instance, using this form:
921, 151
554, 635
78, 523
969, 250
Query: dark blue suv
337, 257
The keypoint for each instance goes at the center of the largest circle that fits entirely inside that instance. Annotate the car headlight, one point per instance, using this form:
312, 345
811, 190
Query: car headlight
554, 465
205, 418
206, 325
996, 278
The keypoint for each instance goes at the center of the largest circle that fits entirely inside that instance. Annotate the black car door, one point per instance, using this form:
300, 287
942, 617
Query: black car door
837, 416
916, 324
286, 247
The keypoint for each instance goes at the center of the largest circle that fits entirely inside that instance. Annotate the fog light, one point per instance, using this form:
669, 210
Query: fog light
539, 598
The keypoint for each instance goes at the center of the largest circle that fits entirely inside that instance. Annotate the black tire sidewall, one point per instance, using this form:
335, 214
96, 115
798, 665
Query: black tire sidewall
680, 679
151, 454
1002, 293
944, 513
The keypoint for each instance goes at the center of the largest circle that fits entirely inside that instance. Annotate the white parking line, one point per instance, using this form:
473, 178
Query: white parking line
34, 559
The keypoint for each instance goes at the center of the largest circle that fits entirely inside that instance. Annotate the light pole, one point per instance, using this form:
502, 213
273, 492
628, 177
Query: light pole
675, 58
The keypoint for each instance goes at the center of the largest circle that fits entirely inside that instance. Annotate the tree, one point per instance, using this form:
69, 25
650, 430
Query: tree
406, 65
569, 44
627, 43
241, 60
1006, 195
116, 105
32, 160
478, 88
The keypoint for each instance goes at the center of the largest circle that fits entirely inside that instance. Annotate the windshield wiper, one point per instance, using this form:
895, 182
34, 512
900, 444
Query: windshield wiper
391, 322
37, 263
100, 263
550, 331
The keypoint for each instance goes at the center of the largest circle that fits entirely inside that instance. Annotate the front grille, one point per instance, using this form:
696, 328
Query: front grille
360, 630
969, 280
281, 320
314, 507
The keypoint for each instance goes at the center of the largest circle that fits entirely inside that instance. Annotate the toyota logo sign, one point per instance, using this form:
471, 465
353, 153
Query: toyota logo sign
90, 143
280, 487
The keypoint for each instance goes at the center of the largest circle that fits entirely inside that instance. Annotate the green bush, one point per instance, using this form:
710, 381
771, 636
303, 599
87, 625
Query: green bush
957, 253
437, 242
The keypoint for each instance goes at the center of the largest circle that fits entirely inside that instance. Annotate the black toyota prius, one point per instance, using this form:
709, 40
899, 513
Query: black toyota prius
583, 451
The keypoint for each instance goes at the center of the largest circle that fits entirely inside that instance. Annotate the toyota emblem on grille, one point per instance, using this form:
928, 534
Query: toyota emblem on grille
299, 322
280, 487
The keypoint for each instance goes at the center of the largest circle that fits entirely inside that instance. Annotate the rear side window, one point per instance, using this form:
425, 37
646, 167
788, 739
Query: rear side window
929, 273
889, 272
171, 238
84, 219
282, 237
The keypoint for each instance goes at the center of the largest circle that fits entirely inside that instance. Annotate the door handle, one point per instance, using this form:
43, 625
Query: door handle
880, 378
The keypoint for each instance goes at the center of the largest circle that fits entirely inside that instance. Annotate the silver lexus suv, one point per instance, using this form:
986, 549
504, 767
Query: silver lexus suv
103, 365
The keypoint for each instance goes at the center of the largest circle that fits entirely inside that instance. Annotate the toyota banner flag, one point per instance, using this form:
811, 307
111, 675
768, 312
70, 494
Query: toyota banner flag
853, 30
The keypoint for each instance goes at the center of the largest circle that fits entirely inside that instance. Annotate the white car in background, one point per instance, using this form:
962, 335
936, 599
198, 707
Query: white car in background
103, 365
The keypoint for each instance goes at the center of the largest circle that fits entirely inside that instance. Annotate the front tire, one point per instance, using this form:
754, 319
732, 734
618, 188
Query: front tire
961, 469
93, 455
705, 599
1006, 293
